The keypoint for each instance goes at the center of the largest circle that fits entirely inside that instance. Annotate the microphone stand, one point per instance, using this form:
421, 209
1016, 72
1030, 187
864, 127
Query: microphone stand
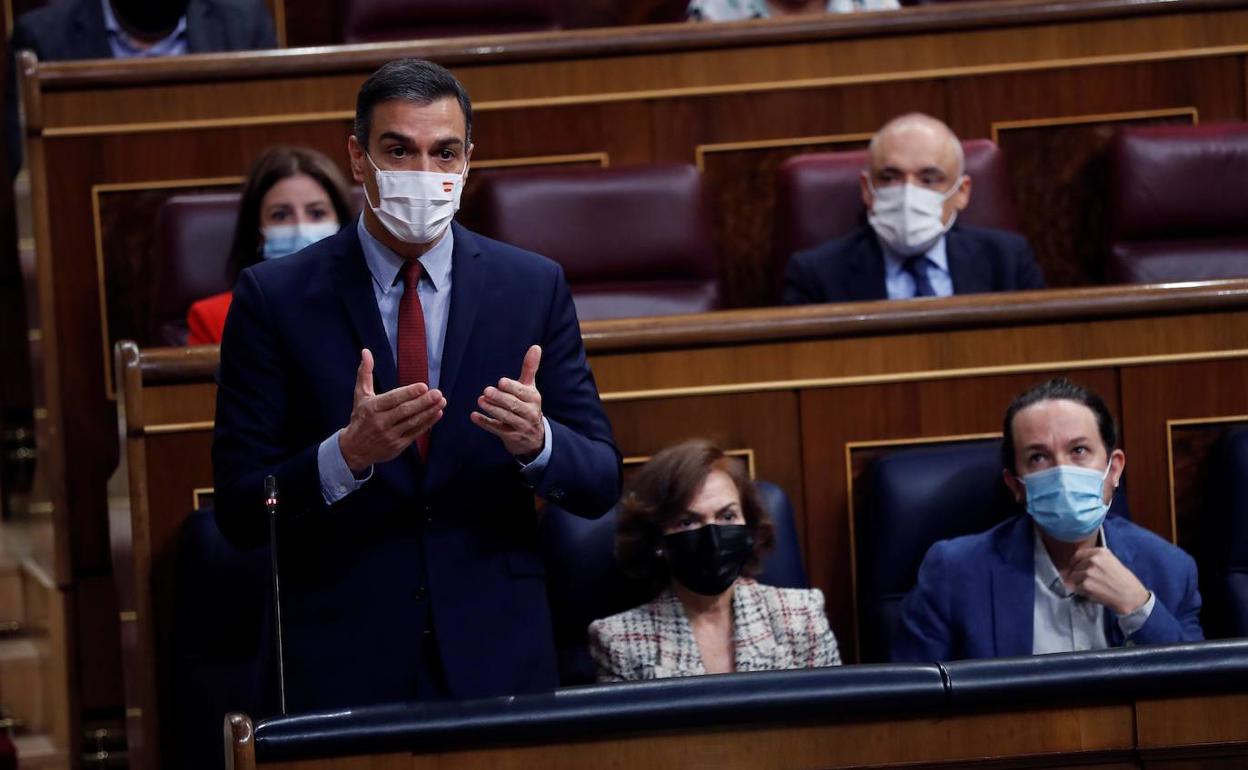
270, 504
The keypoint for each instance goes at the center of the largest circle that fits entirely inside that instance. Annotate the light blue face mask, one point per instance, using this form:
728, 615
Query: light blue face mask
1066, 501
281, 240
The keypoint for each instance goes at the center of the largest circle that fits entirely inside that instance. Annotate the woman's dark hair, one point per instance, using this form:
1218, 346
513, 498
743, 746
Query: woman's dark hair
1057, 389
661, 492
410, 80
274, 165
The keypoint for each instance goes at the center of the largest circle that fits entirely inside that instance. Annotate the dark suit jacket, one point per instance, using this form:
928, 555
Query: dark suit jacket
64, 30
851, 268
975, 595
453, 540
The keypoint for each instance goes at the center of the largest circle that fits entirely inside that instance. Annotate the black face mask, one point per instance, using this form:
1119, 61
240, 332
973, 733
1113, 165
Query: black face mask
708, 559
149, 17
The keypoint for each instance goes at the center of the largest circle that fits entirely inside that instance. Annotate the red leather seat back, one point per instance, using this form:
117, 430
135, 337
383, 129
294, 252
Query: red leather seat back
368, 21
1178, 203
633, 241
193, 236
818, 197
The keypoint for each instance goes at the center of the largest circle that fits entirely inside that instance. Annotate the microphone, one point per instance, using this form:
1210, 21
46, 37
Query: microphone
270, 504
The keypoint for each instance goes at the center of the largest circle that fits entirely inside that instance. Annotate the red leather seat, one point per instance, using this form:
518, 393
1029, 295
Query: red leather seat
1178, 203
193, 236
633, 241
818, 197
368, 21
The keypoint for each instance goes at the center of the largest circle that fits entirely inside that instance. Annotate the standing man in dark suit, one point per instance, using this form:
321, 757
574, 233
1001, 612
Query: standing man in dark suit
412, 386
64, 30
913, 191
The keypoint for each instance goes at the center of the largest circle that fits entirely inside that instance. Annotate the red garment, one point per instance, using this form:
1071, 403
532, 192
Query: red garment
206, 319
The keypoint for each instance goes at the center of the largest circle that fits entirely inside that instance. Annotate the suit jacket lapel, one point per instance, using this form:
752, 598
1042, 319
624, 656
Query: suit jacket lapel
866, 269
360, 303
467, 279
969, 273
90, 36
1013, 591
754, 640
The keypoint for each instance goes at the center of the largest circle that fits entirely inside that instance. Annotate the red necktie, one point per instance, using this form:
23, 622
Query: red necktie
413, 351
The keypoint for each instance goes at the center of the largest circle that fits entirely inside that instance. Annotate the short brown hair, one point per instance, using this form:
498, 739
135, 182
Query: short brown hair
272, 166
662, 491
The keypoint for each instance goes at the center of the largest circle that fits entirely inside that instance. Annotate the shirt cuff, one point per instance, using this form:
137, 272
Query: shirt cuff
1134, 621
337, 480
533, 471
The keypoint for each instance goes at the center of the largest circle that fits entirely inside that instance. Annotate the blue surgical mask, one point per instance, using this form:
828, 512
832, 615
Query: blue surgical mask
281, 240
1066, 501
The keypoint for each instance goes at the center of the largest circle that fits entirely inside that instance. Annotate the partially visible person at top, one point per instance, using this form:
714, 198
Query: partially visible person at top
292, 198
738, 10
64, 30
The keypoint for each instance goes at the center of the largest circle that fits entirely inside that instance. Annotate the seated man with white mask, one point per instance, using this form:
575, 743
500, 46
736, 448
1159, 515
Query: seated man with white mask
1064, 576
912, 247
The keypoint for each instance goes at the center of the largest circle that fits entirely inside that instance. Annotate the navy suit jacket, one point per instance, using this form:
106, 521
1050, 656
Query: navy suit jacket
451, 542
851, 268
65, 30
975, 594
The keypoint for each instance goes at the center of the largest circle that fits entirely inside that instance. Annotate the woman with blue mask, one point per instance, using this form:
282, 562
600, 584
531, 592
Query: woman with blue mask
292, 198
1065, 576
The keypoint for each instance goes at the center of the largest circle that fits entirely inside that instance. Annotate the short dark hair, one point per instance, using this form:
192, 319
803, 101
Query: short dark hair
1056, 389
662, 491
411, 80
272, 166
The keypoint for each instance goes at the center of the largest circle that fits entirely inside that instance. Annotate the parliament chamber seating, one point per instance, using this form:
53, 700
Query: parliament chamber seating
585, 582
914, 498
371, 21
633, 241
193, 236
818, 197
1226, 587
220, 600
1178, 203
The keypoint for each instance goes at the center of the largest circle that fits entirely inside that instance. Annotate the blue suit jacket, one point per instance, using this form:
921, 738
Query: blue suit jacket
451, 542
851, 268
975, 594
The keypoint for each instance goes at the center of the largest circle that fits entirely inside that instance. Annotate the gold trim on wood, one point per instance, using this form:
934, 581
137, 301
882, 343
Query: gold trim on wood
39, 413
110, 387
128, 616
1107, 117
747, 454
1170, 426
34, 335
763, 386
197, 496
603, 159
164, 428
702, 150
849, 448
134, 713
42, 508
798, 84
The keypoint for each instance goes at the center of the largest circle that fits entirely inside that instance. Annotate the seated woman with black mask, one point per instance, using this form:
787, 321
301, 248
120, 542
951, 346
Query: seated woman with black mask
692, 525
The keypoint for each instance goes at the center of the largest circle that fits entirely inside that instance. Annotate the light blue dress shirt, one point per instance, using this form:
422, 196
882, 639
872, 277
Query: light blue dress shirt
434, 290
1063, 621
900, 284
124, 46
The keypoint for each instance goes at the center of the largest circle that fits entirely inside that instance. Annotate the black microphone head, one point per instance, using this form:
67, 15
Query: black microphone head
270, 486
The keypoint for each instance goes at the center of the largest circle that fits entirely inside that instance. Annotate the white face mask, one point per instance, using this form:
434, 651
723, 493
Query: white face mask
906, 217
416, 206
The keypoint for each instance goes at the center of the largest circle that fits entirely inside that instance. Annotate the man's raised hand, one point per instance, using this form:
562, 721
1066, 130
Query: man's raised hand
513, 410
382, 426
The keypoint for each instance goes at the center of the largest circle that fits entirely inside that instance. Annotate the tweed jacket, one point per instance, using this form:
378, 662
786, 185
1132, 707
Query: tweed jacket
773, 628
